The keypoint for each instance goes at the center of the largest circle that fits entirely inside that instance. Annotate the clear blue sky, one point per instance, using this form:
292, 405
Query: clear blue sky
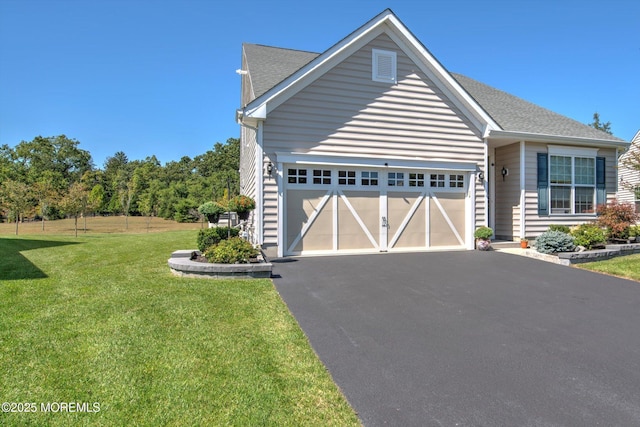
158, 76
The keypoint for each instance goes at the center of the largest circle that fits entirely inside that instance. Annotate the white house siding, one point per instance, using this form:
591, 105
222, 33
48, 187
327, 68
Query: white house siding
507, 199
536, 224
345, 112
629, 176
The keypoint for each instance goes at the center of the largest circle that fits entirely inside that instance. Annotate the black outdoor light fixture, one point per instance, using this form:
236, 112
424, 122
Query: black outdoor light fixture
504, 172
481, 176
270, 168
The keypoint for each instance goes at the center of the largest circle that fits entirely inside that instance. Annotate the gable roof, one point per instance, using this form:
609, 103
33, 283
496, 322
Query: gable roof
270, 67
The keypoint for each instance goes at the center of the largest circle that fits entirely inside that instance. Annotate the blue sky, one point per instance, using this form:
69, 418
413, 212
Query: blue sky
158, 76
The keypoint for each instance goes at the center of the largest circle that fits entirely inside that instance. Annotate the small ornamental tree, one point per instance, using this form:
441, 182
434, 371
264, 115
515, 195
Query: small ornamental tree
616, 218
241, 204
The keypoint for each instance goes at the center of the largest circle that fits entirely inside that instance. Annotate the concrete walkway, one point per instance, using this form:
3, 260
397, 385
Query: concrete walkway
471, 338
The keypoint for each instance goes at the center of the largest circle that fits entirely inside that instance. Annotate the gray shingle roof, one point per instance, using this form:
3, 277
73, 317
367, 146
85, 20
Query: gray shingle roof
517, 115
268, 66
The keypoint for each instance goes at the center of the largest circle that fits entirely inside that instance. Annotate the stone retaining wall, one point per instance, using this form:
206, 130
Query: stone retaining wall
181, 265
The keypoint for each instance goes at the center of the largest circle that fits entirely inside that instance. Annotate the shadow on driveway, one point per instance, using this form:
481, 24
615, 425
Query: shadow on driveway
471, 338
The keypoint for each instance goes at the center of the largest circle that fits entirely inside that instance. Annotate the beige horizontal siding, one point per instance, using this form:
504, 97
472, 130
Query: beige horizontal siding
507, 197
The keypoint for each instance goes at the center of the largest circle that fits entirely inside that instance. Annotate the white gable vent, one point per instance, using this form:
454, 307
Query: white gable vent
384, 66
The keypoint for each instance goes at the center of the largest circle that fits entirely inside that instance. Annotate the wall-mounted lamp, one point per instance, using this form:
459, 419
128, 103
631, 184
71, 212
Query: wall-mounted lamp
504, 172
269, 168
481, 176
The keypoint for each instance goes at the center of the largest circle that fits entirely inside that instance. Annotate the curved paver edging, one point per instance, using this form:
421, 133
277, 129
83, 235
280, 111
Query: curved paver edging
181, 265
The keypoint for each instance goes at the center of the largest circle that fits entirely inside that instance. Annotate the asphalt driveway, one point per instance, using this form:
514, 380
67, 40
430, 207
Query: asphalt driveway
471, 338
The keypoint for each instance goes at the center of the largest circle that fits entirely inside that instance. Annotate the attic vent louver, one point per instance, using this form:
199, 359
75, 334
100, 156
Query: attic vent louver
383, 66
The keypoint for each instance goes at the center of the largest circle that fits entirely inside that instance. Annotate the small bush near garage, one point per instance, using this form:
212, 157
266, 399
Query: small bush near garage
212, 236
589, 235
551, 242
559, 227
231, 251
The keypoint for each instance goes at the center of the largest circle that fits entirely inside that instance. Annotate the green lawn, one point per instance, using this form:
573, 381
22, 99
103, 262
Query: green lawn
100, 319
624, 266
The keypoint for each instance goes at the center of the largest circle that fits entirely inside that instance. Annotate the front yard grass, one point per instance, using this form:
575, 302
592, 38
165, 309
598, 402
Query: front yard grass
100, 319
625, 266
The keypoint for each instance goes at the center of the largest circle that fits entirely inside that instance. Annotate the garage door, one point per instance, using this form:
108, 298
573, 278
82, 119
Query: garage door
340, 210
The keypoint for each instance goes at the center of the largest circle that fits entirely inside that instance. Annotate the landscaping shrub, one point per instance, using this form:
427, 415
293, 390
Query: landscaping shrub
483, 233
551, 242
617, 218
559, 227
589, 235
212, 236
231, 251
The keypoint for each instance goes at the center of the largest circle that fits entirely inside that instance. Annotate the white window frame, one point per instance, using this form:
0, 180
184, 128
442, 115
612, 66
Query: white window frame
379, 55
573, 186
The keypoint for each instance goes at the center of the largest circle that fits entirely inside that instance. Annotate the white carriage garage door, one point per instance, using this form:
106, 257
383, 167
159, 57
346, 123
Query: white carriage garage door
341, 210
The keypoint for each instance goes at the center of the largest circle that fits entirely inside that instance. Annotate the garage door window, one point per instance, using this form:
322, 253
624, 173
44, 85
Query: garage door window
456, 181
346, 177
297, 176
437, 180
396, 179
322, 176
369, 178
416, 180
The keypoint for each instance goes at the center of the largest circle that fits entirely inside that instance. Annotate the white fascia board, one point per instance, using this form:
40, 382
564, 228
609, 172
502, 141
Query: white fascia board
374, 162
440, 76
499, 135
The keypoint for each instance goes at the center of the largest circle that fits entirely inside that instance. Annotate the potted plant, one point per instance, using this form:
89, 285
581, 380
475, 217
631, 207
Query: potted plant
483, 238
212, 211
524, 243
242, 205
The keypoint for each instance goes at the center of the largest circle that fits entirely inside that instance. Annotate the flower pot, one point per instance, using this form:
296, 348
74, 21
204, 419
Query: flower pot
483, 244
243, 216
524, 244
213, 218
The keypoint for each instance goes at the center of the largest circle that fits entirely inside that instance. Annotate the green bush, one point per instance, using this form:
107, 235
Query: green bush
212, 236
211, 208
589, 235
231, 251
551, 242
483, 233
634, 231
559, 227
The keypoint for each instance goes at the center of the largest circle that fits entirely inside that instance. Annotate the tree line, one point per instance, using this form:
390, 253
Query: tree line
51, 178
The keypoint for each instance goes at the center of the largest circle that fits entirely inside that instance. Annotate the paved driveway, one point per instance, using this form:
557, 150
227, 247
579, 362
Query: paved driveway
471, 338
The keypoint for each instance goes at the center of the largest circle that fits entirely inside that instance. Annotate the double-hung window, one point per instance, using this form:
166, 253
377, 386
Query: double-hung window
572, 184
571, 181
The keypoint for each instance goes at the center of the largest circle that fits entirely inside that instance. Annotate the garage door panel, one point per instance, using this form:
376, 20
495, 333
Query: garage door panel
351, 234
447, 217
407, 214
301, 207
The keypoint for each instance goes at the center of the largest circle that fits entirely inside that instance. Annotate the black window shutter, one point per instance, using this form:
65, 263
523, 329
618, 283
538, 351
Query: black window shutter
543, 184
601, 181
